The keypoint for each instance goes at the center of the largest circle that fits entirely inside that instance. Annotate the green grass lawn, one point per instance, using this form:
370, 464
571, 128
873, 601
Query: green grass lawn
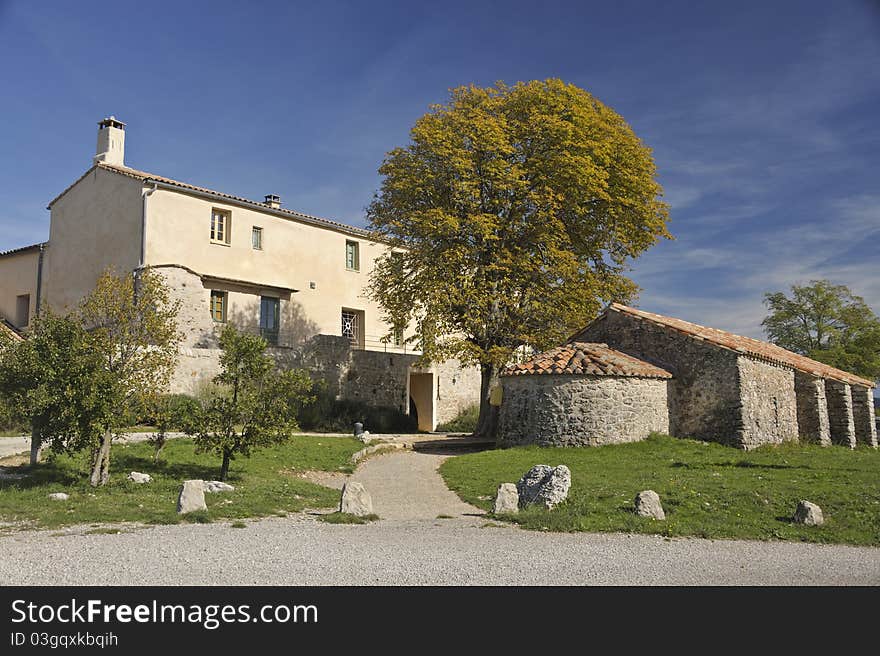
263, 484
707, 490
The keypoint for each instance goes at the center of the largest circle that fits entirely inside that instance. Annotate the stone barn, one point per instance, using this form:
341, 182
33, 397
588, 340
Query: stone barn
737, 390
582, 394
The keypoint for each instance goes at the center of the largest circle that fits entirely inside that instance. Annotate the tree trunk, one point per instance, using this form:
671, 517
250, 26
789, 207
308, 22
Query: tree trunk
105, 465
101, 461
36, 443
159, 444
487, 424
224, 468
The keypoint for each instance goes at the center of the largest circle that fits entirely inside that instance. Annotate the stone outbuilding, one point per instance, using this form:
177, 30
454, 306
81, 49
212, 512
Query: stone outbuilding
737, 390
582, 394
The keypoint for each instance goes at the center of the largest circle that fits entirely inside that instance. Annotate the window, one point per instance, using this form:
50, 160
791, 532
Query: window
219, 301
269, 320
352, 321
352, 256
221, 226
22, 310
257, 238
397, 336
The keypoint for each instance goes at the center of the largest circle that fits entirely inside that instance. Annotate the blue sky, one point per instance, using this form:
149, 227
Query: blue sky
764, 116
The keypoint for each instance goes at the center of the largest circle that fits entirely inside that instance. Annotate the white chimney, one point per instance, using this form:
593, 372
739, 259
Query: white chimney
111, 142
273, 201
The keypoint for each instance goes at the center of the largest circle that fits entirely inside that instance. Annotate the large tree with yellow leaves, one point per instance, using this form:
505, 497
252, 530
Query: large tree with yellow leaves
513, 212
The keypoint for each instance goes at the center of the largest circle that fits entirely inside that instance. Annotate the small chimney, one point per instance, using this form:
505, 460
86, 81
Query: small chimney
111, 142
273, 201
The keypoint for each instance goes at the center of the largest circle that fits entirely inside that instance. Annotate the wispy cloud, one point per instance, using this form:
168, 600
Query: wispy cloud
771, 259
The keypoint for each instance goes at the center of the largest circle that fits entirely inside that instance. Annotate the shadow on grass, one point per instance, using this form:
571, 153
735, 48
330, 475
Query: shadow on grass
182, 470
38, 476
741, 464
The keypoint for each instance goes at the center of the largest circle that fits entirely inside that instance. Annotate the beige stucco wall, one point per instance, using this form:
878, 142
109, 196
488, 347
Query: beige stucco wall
95, 225
18, 275
293, 256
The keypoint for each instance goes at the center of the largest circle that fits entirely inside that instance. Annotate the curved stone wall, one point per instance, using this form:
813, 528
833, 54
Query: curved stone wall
559, 410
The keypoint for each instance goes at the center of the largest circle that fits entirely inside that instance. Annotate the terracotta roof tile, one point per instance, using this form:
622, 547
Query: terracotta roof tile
7, 333
746, 345
586, 358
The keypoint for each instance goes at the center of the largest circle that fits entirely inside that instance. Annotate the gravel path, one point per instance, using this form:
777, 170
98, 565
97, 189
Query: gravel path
9, 446
406, 485
302, 551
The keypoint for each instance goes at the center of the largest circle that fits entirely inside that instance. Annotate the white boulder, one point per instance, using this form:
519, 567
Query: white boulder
192, 497
355, 500
544, 485
808, 514
506, 499
138, 477
648, 505
212, 487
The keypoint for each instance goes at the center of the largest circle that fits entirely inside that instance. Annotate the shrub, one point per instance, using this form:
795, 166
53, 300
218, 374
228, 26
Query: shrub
10, 419
331, 415
169, 412
260, 405
465, 422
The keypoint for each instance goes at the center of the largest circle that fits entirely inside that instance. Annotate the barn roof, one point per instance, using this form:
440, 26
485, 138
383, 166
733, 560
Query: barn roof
586, 358
745, 345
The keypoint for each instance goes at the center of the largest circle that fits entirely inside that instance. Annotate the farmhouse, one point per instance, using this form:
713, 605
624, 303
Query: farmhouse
296, 279
718, 386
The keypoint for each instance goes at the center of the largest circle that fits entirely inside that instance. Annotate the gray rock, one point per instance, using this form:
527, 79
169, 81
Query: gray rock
137, 477
544, 485
192, 497
648, 505
808, 514
355, 500
59, 496
213, 487
507, 499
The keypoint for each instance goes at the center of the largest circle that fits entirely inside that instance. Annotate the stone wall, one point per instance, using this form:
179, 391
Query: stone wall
864, 419
458, 388
373, 377
840, 413
195, 369
194, 316
812, 409
378, 379
704, 396
562, 410
198, 328
769, 404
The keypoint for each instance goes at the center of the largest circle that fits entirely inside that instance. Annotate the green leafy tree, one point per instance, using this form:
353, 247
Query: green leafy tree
513, 215
828, 323
55, 383
131, 327
168, 412
256, 405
